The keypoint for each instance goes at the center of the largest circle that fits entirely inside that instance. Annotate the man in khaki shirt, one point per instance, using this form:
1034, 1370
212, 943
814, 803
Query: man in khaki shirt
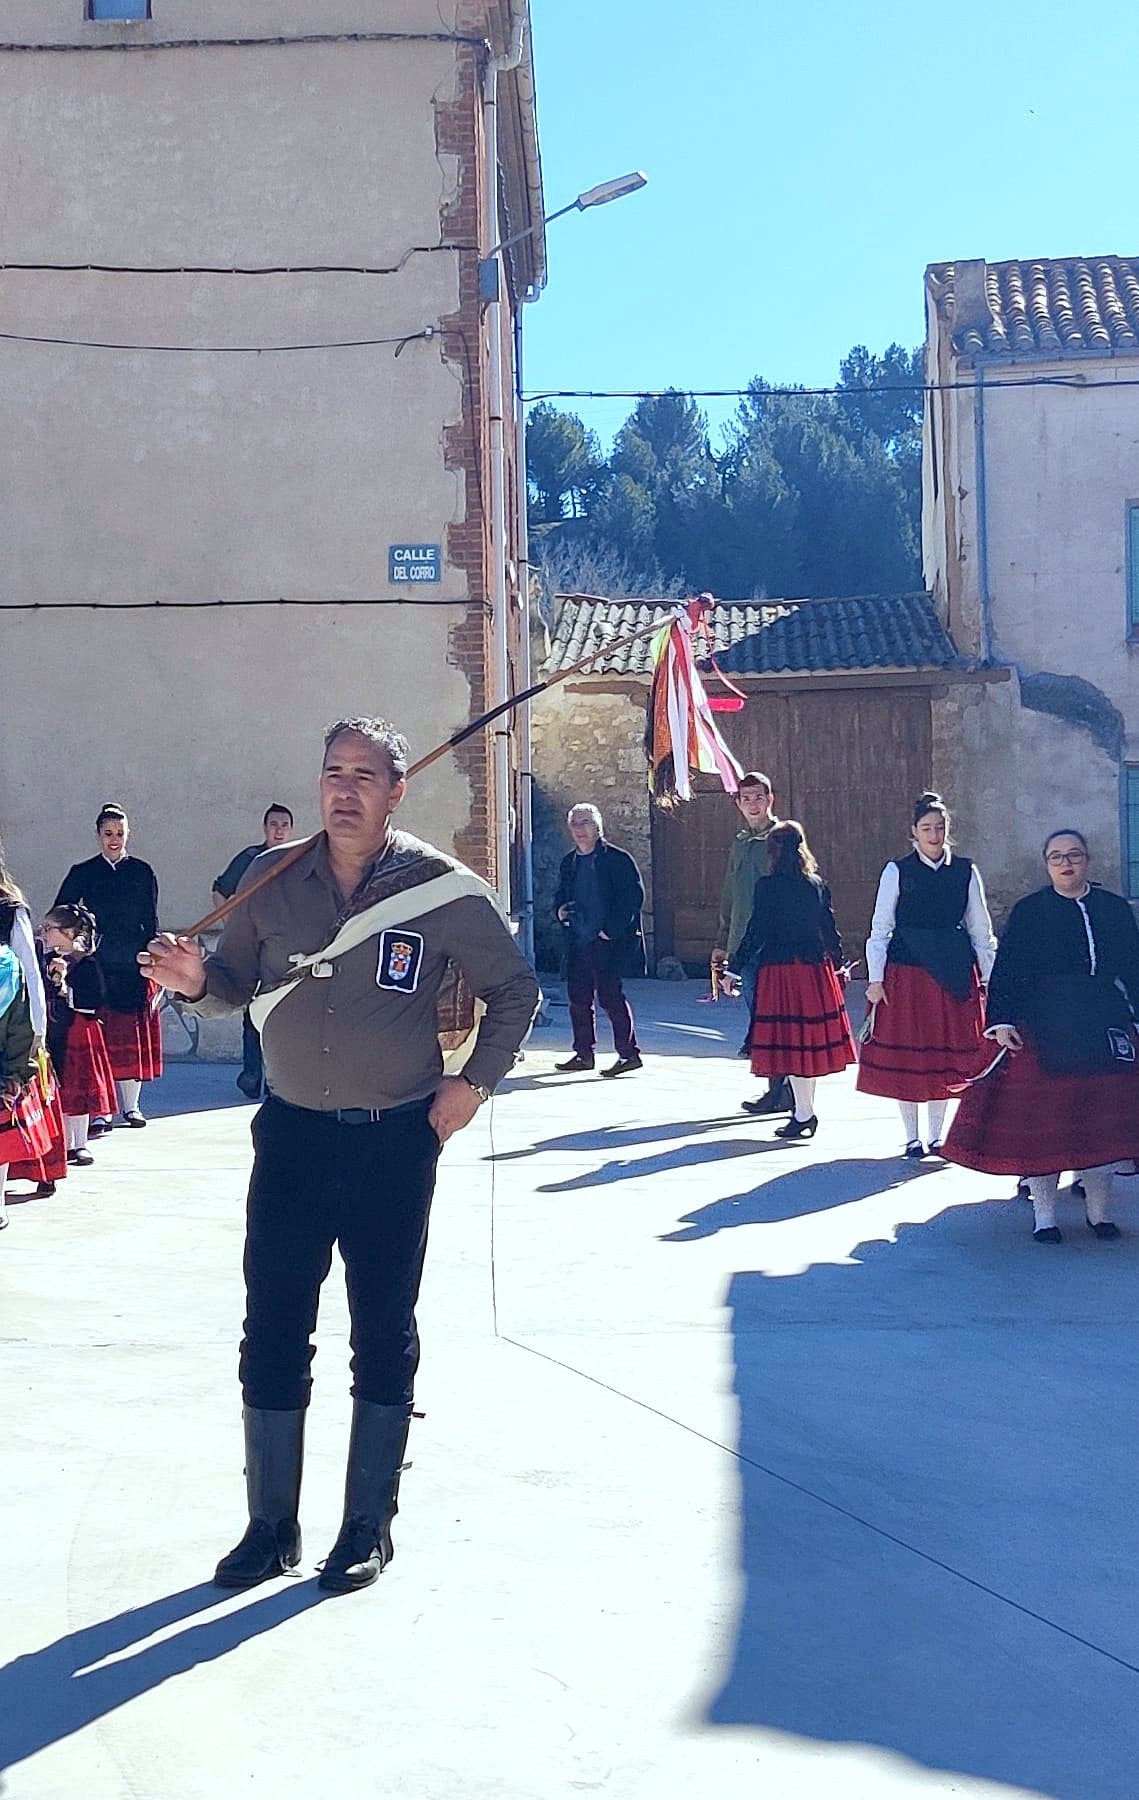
347, 1143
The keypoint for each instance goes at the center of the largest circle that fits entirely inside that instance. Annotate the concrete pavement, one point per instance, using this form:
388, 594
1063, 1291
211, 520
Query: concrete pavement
753, 1470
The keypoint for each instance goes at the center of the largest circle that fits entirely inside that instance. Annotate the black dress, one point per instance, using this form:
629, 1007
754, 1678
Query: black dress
124, 899
798, 1021
1067, 978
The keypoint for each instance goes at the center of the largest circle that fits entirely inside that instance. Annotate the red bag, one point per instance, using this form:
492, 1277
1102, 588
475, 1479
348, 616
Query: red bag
25, 1129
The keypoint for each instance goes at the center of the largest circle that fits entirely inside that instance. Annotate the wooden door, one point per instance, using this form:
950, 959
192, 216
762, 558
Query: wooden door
848, 764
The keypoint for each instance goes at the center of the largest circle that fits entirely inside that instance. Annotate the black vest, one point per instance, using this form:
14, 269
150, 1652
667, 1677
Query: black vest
929, 932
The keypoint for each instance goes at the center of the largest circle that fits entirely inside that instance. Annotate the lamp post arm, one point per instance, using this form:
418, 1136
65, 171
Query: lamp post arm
518, 236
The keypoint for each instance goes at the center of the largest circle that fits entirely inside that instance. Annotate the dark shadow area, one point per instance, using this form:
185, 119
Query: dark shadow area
192, 1087
621, 1137
798, 1193
688, 1156
51, 1693
935, 1444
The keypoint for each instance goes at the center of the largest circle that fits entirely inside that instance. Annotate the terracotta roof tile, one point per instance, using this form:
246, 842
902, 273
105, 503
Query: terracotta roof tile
767, 637
1067, 306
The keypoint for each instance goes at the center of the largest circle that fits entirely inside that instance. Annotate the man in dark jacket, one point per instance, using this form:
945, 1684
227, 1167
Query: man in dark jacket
598, 903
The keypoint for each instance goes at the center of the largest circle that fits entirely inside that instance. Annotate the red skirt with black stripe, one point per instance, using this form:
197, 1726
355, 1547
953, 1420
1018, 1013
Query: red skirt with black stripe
1022, 1121
134, 1040
799, 1024
925, 1043
88, 1079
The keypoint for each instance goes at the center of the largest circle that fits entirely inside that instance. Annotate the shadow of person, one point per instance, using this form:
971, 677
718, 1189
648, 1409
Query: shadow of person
816, 1187
50, 1694
621, 1137
933, 1439
688, 1156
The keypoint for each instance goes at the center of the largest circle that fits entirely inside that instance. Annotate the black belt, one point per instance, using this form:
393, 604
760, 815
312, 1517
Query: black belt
357, 1115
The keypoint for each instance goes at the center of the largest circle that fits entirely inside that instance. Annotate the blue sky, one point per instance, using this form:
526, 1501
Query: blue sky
806, 161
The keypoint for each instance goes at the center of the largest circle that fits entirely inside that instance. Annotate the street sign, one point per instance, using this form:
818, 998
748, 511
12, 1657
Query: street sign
414, 562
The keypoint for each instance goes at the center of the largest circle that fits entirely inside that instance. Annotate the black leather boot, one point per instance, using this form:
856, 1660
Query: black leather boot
375, 1460
274, 1453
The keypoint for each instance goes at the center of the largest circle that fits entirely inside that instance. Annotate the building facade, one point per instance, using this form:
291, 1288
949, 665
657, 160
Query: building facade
245, 387
1031, 550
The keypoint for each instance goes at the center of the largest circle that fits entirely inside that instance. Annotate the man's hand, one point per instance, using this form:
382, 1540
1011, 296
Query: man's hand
876, 994
10, 1090
175, 963
1008, 1037
455, 1105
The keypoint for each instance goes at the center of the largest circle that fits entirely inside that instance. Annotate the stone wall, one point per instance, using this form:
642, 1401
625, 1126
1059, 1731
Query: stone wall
587, 746
1010, 775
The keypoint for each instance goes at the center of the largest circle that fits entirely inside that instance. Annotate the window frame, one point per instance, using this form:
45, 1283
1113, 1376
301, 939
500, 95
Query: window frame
1131, 565
94, 18
1129, 860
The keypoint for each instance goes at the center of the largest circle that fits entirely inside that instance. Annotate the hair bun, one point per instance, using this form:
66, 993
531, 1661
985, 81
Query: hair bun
929, 799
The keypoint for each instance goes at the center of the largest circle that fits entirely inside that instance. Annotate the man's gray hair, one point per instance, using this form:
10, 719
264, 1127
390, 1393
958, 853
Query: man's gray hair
585, 810
377, 731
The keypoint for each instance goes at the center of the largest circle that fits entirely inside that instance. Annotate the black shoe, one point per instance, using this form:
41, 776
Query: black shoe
363, 1548
1103, 1228
778, 1099
82, 1159
935, 1149
575, 1065
44, 1190
914, 1151
799, 1128
98, 1128
274, 1453
624, 1065
1048, 1234
134, 1119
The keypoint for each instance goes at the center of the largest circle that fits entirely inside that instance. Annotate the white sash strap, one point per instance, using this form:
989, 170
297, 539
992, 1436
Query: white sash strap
413, 903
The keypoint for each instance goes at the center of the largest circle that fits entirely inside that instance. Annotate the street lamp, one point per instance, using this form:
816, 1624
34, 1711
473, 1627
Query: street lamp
490, 291
600, 195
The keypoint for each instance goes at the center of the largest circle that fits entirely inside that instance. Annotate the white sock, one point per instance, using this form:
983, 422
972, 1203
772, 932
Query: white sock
936, 1111
1043, 1191
1098, 1188
803, 1088
78, 1125
4, 1167
129, 1092
909, 1112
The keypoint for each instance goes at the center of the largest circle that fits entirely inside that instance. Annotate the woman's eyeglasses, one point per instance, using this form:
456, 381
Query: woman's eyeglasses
1055, 858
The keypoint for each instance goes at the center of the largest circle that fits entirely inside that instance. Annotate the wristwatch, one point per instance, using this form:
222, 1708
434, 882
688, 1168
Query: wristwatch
482, 1092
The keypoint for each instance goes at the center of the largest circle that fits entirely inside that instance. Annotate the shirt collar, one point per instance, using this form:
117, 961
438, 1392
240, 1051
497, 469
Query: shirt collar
125, 857
946, 858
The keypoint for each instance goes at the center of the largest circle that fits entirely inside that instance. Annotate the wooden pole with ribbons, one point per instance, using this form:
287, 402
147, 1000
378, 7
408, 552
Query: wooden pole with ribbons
221, 913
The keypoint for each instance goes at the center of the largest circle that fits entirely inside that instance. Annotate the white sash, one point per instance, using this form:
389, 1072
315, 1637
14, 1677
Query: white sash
412, 903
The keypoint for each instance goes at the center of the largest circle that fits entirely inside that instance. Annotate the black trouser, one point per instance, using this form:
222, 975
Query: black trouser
594, 970
317, 1182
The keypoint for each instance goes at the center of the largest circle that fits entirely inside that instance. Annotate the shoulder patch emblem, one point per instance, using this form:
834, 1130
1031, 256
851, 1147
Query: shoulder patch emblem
401, 958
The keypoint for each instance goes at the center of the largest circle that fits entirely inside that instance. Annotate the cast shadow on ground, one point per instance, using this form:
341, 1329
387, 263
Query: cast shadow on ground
798, 1194
688, 1156
933, 1443
51, 1693
620, 1137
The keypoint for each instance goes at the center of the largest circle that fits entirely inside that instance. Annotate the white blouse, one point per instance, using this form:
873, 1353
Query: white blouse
977, 921
24, 944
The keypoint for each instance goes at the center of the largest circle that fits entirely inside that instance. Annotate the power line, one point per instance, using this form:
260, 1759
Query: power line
409, 337
53, 606
93, 268
1075, 380
123, 47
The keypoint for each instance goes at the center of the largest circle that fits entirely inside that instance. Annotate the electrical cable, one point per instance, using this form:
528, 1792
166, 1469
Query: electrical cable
1075, 380
94, 268
278, 42
409, 337
53, 606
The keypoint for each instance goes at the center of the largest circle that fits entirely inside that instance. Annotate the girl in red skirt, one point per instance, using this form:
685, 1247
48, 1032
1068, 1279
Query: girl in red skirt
16, 1064
930, 950
76, 991
122, 892
1062, 998
799, 1026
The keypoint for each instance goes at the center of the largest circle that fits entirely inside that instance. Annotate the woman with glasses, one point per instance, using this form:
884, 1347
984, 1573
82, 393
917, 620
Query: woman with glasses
930, 949
1061, 999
